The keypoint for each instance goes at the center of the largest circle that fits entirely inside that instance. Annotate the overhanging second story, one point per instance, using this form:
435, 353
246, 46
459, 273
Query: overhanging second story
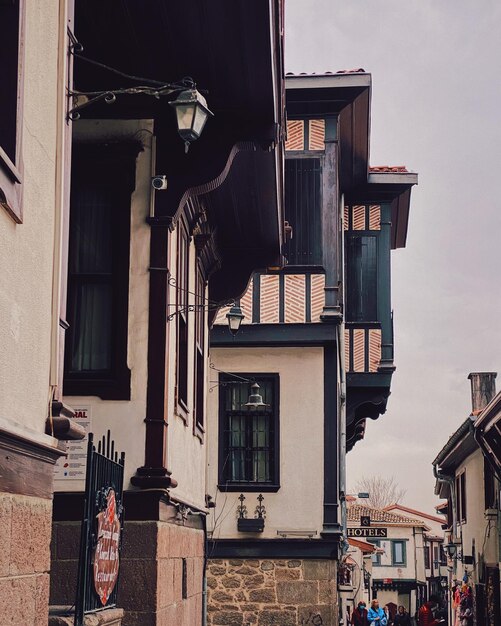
343, 218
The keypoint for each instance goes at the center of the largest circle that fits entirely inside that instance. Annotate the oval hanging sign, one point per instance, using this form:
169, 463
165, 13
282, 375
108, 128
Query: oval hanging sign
106, 560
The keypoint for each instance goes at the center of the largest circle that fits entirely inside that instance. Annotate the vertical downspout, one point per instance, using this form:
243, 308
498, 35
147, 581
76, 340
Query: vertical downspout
342, 384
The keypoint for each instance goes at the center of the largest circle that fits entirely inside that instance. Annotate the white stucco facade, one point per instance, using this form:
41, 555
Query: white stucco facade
26, 250
297, 505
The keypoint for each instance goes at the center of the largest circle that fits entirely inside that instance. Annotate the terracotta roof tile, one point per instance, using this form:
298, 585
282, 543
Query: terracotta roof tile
407, 509
358, 70
395, 169
355, 511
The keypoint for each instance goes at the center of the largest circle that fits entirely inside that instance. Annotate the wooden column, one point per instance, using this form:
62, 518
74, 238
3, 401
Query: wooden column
154, 472
331, 231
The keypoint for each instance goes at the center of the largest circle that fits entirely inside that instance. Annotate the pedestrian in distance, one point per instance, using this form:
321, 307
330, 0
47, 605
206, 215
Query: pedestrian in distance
376, 616
359, 615
426, 613
402, 618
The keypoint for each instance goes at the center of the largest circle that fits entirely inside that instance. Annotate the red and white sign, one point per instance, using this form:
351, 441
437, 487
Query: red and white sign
106, 560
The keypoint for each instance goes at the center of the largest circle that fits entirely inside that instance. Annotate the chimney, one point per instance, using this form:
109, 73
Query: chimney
483, 389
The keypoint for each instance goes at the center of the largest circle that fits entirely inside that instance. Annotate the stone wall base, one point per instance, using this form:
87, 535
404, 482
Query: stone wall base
161, 572
24, 559
111, 617
245, 592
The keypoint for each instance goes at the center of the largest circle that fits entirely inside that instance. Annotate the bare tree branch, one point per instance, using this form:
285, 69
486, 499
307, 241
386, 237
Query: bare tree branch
382, 491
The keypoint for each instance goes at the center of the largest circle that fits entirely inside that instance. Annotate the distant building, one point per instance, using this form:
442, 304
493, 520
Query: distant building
435, 561
398, 566
466, 469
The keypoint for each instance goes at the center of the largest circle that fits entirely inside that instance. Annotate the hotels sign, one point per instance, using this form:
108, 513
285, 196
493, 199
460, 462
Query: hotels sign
367, 532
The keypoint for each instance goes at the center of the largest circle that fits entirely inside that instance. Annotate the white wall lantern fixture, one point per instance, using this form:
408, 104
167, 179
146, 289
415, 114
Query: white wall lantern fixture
234, 317
255, 400
191, 114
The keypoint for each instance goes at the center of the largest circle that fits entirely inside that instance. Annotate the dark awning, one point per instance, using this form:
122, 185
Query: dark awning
233, 51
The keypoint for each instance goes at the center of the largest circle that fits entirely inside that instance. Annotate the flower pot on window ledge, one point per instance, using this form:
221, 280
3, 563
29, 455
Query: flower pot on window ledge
253, 525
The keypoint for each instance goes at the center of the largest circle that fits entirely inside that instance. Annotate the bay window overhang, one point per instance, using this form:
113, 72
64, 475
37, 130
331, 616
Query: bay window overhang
233, 52
487, 432
382, 204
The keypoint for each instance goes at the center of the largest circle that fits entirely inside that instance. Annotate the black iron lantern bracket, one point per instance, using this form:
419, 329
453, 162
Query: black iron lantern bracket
180, 94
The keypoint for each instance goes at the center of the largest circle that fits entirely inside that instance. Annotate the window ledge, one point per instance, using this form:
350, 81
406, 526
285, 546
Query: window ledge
182, 411
246, 487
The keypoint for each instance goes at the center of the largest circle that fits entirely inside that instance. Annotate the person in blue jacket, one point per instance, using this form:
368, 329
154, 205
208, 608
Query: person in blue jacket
376, 615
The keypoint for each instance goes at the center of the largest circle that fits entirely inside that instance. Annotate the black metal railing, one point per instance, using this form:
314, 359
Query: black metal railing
101, 532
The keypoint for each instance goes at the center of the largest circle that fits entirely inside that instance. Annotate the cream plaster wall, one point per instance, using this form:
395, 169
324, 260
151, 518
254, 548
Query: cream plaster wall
125, 419
26, 250
186, 451
476, 527
298, 503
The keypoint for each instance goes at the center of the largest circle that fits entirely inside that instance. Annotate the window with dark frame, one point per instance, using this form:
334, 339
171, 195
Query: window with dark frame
461, 497
398, 553
490, 486
199, 387
426, 551
182, 301
103, 178
303, 210
361, 278
11, 72
249, 449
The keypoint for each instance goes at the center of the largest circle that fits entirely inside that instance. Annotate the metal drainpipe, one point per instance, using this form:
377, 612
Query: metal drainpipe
342, 390
445, 478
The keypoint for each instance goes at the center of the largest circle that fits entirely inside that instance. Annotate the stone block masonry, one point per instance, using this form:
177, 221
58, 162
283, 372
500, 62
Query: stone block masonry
272, 592
161, 572
24, 559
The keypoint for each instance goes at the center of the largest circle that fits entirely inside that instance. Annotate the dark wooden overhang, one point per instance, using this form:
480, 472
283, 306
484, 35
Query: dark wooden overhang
347, 96
389, 187
459, 446
487, 432
233, 49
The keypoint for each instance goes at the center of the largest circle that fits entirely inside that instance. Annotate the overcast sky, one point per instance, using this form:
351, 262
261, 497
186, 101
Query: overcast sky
436, 108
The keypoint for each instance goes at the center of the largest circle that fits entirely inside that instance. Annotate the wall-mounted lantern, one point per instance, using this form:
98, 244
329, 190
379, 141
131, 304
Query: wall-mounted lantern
450, 549
255, 400
234, 317
192, 114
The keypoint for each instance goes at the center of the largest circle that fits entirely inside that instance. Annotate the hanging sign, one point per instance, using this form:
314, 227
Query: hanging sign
367, 532
106, 554
73, 466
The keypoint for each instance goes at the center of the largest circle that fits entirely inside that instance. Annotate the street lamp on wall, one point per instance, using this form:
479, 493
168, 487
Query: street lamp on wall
191, 114
451, 549
234, 317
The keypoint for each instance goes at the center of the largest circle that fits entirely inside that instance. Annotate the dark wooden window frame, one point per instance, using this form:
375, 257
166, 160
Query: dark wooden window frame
461, 497
394, 562
274, 485
11, 167
182, 320
119, 161
200, 355
361, 234
319, 156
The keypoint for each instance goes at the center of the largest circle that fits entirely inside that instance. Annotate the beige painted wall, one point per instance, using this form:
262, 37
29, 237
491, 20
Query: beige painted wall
26, 250
476, 527
125, 419
298, 503
185, 452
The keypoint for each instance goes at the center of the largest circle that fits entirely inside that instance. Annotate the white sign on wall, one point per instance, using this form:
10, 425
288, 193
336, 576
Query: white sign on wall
73, 466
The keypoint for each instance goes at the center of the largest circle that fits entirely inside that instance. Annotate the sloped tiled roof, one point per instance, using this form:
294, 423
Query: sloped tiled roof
394, 169
380, 516
406, 509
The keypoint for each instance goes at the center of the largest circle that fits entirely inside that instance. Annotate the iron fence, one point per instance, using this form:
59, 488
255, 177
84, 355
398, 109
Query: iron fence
101, 532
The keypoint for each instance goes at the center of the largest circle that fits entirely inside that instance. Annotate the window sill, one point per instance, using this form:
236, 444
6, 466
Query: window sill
10, 188
199, 432
246, 487
182, 411
104, 388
